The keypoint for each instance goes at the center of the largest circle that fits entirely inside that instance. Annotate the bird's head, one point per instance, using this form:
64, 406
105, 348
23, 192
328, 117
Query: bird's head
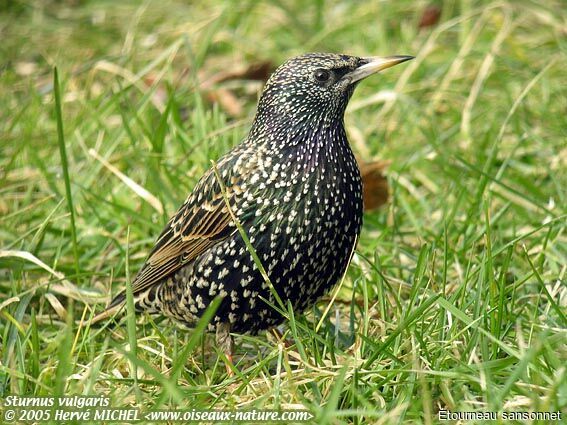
317, 86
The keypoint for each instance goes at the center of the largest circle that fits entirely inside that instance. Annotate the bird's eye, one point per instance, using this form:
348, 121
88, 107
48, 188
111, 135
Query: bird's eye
322, 75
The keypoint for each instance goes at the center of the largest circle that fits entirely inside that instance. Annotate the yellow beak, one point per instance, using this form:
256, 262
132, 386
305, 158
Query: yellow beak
375, 64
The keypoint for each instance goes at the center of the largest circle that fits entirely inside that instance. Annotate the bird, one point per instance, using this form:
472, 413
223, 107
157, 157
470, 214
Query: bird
292, 187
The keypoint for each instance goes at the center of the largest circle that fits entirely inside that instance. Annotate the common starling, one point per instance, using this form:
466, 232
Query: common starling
294, 186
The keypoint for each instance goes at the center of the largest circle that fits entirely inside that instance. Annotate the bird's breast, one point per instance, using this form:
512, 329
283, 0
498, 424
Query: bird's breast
297, 196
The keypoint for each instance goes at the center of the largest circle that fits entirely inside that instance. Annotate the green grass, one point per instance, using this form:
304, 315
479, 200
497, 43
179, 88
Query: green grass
456, 296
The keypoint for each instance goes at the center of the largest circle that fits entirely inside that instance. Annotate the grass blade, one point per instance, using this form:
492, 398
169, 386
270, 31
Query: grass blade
65, 165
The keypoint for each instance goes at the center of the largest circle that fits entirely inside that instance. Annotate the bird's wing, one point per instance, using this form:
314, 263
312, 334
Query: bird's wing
191, 231
202, 221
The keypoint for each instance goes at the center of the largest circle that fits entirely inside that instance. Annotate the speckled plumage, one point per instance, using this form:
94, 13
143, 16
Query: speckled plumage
293, 184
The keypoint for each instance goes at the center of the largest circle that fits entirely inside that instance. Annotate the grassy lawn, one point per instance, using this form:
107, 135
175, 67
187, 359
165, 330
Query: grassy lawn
456, 297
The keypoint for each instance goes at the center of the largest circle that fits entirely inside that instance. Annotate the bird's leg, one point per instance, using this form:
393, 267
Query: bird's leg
225, 344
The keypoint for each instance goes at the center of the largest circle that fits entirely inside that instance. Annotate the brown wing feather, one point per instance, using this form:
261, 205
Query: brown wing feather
187, 235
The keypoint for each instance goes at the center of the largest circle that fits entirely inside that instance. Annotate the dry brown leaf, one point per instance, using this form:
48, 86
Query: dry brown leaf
430, 16
374, 183
257, 71
227, 100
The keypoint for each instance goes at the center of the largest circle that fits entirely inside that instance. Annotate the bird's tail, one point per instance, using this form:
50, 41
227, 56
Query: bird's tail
146, 301
113, 308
